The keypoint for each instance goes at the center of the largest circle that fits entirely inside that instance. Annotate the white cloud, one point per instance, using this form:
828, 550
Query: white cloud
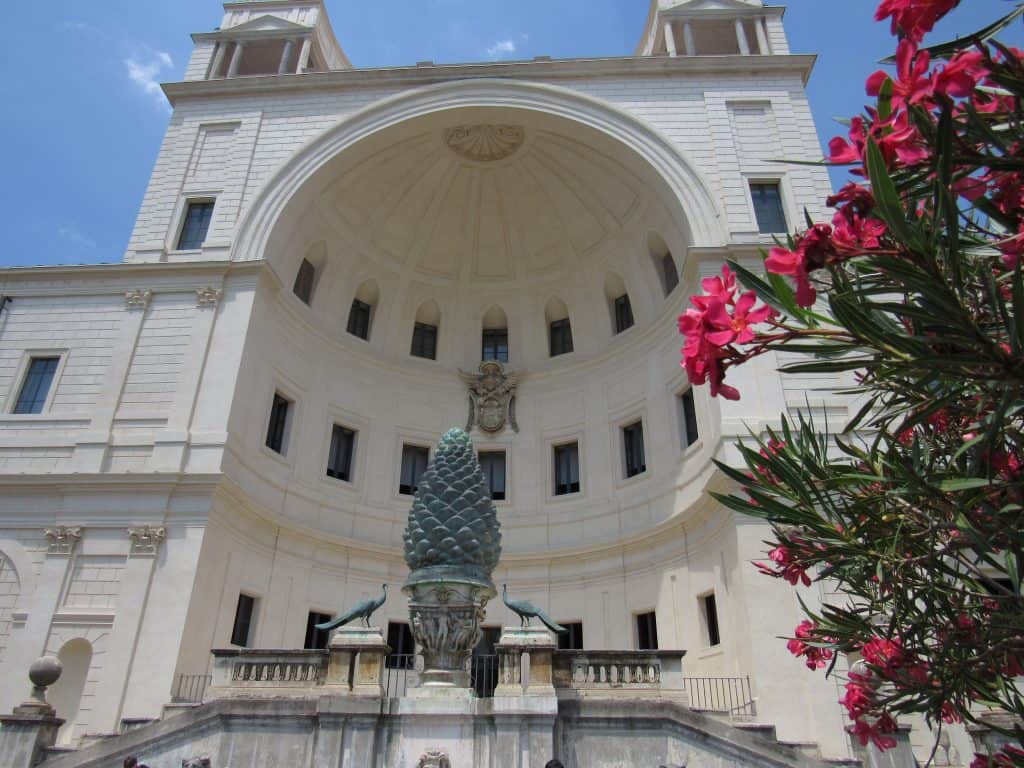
501, 47
76, 237
145, 71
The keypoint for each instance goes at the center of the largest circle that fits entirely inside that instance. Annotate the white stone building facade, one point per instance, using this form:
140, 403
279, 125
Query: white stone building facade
303, 221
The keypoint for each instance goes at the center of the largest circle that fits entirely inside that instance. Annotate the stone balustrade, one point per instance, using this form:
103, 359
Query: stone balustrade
272, 672
656, 674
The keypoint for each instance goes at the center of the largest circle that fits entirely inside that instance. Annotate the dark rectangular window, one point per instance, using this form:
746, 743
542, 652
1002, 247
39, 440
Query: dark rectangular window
278, 422
646, 632
633, 445
561, 337
495, 345
669, 273
424, 341
688, 419
623, 313
711, 619
243, 620
303, 287
359, 319
403, 646
36, 387
339, 460
317, 638
573, 639
567, 469
414, 464
493, 465
195, 226
768, 207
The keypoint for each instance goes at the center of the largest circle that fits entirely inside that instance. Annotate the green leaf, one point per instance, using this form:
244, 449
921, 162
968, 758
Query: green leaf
963, 484
887, 199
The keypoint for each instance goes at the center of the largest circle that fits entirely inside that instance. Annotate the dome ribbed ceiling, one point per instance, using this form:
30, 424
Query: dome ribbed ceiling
439, 204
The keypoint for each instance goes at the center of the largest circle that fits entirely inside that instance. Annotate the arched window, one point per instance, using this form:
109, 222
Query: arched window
619, 305
66, 694
424, 330
360, 316
559, 328
494, 337
664, 263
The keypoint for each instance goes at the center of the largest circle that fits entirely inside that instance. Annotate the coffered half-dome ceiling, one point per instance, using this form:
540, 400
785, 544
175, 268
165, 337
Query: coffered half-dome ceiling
484, 195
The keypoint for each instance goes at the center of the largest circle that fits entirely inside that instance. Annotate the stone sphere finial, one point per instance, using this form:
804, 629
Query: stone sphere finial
44, 672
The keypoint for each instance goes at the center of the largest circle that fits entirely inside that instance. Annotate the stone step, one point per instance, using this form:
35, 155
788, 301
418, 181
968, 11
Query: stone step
806, 748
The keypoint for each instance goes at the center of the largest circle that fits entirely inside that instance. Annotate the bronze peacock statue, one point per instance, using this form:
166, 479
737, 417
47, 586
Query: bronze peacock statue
363, 610
527, 611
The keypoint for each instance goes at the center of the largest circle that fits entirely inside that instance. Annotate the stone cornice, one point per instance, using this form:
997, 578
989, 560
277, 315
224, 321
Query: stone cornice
622, 66
149, 270
81, 482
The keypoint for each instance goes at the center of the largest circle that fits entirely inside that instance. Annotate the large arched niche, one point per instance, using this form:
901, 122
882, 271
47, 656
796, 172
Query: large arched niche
416, 121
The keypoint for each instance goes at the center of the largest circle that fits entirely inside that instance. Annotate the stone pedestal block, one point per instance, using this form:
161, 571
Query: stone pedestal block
525, 662
26, 733
356, 662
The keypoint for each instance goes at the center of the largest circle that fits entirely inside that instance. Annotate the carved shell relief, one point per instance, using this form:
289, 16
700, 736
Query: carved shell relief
484, 142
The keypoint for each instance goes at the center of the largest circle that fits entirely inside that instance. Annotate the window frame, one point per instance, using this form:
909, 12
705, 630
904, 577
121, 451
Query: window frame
553, 486
308, 299
637, 616
503, 452
285, 428
483, 344
564, 329
617, 328
401, 460
779, 180
566, 638
665, 259
19, 379
625, 431
418, 326
711, 633
198, 198
369, 319
251, 624
682, 419
350, 478
326, 633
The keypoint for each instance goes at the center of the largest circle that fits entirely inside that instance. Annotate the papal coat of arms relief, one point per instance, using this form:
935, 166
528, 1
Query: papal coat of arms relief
492, 397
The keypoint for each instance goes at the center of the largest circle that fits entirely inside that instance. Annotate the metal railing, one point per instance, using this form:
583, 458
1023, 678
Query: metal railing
730, 695
398, 669
483, 675
189, 689
400, 672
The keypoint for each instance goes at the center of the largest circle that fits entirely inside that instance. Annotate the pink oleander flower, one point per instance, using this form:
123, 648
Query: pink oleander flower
738, 327
858, 699
785, 567
876, 732
960, 75
912, 84
817, 658
914, 19
721, 288
853, 197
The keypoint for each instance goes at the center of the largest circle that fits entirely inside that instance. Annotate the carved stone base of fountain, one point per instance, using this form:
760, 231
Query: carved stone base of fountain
445, 611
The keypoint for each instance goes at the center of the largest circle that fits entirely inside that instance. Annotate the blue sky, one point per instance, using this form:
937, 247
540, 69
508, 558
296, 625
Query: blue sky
84, 116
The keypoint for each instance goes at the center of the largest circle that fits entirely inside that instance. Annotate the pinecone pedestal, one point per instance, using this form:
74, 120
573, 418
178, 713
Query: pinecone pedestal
446, 606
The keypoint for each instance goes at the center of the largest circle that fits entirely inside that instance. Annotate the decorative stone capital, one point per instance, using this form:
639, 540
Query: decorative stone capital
434, 758
61, 539
137, 299
445, 621
208, 296
146, 540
